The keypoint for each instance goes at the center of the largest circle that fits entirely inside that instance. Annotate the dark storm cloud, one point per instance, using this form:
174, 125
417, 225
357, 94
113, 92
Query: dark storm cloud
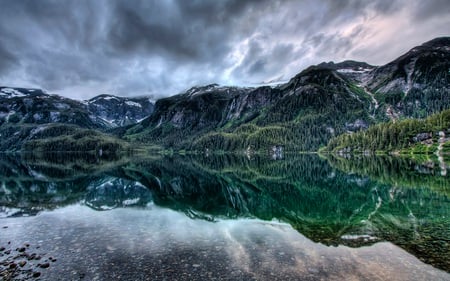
7, 60
186, 30
261, 60
82, 48
431, 8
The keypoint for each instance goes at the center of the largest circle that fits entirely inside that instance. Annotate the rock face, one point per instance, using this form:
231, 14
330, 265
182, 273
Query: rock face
198, 108
417, 83
119, 111
422, 137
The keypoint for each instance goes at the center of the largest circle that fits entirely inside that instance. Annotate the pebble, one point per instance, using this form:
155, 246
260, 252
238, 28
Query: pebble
2, 249
44, 265
22, 263
12, 265
21, 250
36, 274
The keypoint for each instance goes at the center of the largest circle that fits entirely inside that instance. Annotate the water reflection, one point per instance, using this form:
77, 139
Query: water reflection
352, 202
161, 244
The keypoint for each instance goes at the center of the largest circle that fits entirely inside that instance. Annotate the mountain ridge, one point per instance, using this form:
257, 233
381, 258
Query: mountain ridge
320, 102
323, 100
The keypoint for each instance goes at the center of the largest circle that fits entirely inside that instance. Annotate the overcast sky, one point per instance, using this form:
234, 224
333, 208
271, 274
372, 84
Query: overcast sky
83, 48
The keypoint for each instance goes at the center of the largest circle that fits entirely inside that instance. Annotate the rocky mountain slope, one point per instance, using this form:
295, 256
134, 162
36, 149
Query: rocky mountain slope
313, 106
320, 102
28, 115
120, 111
415, 84
33, 106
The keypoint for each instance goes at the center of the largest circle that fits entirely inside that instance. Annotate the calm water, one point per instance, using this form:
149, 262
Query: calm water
77, 217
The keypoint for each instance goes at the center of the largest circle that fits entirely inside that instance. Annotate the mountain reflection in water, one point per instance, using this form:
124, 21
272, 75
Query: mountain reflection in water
350, 202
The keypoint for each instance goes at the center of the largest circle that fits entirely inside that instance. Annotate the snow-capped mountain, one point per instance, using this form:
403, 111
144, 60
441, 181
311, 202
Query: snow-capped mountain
119, 111
19, 106
34, 106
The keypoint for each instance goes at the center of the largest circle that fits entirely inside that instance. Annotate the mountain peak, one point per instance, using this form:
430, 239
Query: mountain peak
347, 64
104, 97
438, 42
12, 92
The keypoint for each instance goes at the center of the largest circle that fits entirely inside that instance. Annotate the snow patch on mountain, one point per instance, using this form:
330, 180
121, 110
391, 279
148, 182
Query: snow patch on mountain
350, 70
132, 103
54, 116
11, 93
111, 98
38, 130
62, 106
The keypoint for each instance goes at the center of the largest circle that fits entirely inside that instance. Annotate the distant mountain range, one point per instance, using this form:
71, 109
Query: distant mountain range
29, 115
319, 103
34, 106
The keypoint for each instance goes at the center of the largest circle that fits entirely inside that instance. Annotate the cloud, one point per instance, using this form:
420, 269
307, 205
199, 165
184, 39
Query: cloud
426, 10
7, 59
83, 48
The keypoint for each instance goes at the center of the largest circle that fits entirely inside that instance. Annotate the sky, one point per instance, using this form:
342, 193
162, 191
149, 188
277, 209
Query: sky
84, 48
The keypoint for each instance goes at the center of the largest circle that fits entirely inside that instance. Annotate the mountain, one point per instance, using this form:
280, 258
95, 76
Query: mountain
30, 116
351, 69
317, 104
33, 106
229, 118
301, 114
120, 111
414, 85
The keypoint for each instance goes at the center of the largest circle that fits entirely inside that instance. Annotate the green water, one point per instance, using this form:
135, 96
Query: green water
336, 202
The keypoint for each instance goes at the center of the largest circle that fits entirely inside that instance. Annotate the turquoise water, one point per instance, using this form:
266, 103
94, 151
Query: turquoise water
224, 217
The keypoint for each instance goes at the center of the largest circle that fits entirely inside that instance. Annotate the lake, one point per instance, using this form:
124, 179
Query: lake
223, 217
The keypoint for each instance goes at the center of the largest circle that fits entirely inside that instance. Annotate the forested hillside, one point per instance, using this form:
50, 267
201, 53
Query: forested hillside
409, 135
299, 115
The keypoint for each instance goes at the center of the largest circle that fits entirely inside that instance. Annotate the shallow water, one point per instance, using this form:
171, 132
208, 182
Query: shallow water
224, 218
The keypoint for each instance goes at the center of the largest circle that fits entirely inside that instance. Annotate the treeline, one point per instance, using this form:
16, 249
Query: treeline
393, 136
293, 137
75, 140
